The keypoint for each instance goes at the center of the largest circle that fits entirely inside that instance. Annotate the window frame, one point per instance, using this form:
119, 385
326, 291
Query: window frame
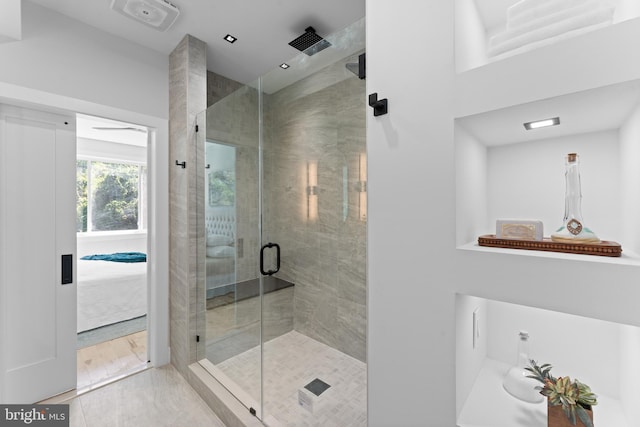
142, 195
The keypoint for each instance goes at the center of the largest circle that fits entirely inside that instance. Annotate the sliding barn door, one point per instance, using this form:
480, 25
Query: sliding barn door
37, 254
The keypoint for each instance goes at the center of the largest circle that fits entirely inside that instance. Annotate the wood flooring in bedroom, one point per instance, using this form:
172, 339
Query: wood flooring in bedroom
111, 360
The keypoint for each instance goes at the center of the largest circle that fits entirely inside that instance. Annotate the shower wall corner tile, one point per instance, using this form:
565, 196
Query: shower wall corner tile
187, 98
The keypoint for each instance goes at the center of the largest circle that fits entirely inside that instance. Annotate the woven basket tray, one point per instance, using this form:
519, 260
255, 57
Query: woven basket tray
604, 248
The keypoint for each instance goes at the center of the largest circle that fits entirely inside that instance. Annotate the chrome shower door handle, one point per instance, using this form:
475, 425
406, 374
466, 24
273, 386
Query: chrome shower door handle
268, 246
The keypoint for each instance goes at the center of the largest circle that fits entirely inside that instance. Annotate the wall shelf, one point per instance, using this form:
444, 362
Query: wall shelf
489, 405
627, 258
504, 171
486, 343
592, 82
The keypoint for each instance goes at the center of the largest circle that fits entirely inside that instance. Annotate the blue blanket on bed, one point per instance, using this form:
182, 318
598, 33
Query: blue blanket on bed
119, 257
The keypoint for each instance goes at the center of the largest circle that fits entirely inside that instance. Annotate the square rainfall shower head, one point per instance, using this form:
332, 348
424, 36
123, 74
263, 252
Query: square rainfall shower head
309, 42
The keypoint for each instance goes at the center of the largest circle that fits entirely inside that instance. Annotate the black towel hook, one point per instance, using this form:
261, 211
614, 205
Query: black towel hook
380, 107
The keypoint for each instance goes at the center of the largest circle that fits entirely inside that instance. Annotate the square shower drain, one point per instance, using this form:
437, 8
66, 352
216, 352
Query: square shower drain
317, 386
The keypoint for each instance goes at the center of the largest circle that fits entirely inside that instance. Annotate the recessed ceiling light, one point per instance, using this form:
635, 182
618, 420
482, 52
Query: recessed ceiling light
230, 38
284, 66
542, 123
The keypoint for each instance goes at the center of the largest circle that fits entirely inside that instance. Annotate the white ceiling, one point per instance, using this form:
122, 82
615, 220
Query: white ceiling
263, 28
594, 110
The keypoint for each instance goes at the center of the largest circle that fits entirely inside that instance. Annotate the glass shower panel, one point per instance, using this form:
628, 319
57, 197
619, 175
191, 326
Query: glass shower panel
231, 295
284, 215
314, 208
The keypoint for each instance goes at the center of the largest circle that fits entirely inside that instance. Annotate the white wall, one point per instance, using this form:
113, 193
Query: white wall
625, 9
107, 150
629, 155
470, 36
61, 63
526, 181
471, 187
630, 369
10, 20
411, 223
580, 347
414, 270
469, 359
60, 55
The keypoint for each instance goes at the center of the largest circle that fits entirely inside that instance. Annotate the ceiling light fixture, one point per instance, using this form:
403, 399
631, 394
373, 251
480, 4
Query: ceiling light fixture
157, 14
542, 123
284, 66
230, 38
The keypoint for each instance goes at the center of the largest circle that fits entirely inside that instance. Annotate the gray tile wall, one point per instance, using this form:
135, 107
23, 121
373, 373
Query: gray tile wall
234, 120
320, 119
187, 98
219, 87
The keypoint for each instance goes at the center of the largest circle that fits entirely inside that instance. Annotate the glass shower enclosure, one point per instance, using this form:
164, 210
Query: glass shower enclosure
283, 173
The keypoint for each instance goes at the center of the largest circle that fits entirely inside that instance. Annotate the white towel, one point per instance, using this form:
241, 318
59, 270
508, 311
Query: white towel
510, 40
552, 8
549, 41
524, 7
546, 17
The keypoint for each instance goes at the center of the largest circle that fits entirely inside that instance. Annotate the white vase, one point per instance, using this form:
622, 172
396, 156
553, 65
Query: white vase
515, 381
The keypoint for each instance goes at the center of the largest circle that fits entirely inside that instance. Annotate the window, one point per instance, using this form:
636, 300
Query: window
110, 196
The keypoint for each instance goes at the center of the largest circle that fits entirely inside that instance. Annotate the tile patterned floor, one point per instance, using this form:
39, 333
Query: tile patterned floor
157, 397
290, 362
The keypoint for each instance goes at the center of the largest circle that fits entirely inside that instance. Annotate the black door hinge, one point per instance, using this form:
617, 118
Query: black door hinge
197, 128
197, 338
252, 411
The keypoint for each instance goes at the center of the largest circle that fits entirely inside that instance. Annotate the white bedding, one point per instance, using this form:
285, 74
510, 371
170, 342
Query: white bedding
110, 292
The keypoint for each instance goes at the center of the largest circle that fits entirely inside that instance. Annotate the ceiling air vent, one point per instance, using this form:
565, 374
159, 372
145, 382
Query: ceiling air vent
157, 14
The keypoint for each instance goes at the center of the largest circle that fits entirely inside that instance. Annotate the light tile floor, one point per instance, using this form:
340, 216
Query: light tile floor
290, 362
111, 359
157, 397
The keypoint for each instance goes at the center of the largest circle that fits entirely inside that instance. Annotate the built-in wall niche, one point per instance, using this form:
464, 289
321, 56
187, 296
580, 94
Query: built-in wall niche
491, 30
601, 354
505, 171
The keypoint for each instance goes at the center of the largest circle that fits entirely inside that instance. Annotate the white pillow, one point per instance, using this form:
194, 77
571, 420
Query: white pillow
221, 251
219, 240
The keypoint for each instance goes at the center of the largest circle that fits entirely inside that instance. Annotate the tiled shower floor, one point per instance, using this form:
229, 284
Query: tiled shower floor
290, 362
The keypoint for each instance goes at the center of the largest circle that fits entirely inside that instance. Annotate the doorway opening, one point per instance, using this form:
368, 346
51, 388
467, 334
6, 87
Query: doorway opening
111, 226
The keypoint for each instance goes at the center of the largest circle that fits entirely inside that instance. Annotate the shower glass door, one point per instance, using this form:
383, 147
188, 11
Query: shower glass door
231, 224
314, 208
285, 188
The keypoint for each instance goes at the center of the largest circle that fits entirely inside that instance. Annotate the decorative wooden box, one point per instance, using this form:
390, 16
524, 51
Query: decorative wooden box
603, 248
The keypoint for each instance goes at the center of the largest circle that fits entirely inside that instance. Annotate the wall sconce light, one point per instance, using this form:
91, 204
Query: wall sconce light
312, 191
361, 187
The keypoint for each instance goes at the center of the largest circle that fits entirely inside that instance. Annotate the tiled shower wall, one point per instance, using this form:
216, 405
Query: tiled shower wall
234, 120
320, 119
187, 86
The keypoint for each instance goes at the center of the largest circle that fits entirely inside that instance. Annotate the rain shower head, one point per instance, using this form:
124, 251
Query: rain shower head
309, 42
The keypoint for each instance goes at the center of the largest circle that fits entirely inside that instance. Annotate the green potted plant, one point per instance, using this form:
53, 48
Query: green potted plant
575, 398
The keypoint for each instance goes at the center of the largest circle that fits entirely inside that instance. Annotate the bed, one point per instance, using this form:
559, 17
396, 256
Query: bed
110, 292
220, 224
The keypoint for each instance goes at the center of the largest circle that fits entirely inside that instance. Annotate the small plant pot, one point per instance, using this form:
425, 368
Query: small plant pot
557, 418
